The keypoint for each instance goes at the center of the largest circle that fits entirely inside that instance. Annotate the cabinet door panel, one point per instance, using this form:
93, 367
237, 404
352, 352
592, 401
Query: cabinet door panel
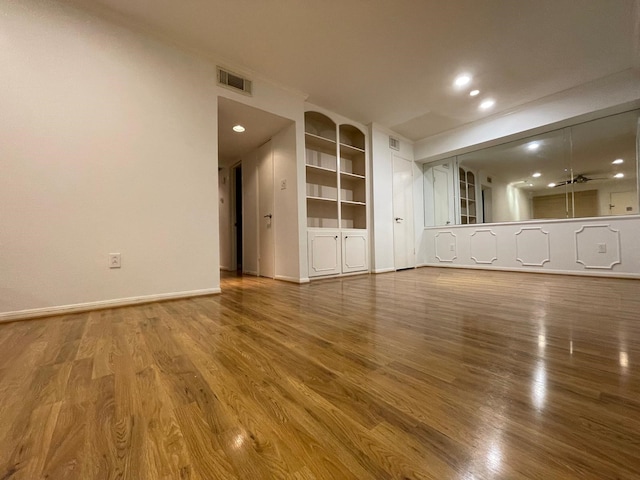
354, 252
324, 253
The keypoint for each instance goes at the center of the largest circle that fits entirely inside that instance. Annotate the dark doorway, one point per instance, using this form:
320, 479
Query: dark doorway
237, 175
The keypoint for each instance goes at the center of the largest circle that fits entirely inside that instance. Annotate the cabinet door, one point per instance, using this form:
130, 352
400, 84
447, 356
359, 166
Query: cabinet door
324, 253
355, 254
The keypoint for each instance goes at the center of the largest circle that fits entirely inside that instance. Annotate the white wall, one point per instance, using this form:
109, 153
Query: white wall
285, 168
109, 144
551, 246
510, 203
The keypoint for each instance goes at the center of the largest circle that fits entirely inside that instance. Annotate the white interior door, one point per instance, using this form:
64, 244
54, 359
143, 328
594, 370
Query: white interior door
623, 203
403, 237
266, 220
250, 221
442, 195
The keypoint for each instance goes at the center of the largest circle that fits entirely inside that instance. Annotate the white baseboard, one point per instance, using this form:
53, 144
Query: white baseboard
118, 302
384, 270
285, 278
577, 273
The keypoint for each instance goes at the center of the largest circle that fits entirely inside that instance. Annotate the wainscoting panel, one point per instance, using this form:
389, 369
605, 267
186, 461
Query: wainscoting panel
598, 246
484, 248
605, 246
446, 247
532, 247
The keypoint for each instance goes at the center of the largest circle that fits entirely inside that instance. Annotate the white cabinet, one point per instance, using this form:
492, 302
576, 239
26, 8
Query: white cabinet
324, 251
332, 252
337, 196
355, 251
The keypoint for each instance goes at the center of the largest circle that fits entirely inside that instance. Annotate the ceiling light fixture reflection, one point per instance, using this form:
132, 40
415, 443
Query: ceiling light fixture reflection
462, 80
473, 93
619, 175
618, 161
551, 185
533, 146
624, 359
536, 175
238, 129
487, 104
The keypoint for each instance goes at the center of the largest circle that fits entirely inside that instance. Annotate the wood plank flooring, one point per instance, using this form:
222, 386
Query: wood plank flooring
421, 374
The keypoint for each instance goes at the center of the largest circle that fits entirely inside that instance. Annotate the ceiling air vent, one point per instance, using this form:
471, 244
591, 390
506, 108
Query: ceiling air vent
233, 81
394, 143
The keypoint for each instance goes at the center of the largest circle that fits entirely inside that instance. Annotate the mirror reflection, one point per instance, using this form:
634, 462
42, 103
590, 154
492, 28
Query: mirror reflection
587, 170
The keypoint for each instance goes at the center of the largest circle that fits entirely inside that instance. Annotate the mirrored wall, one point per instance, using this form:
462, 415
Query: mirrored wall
586, 170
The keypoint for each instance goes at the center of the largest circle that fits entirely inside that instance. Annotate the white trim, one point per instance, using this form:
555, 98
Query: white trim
118, 302
495, 246
285, 278
577, 273
603, 267
534, 222
384, 270
518, 255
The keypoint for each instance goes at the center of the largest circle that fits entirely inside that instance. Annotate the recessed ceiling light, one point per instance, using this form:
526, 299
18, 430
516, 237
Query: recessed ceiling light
462, 80
533, 146
536, 175
473, 93
551, 185
238, 128
531, 184
619, 175
618, 161
487, 104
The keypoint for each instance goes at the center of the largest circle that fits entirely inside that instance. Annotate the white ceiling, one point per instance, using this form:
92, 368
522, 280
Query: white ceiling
393, 62
259, 125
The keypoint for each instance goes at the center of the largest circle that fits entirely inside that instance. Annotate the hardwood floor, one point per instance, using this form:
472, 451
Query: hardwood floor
421, 374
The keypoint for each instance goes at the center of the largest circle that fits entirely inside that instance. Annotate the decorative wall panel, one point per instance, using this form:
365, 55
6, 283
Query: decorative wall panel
446, 246
484, 246
532, 246
598, 246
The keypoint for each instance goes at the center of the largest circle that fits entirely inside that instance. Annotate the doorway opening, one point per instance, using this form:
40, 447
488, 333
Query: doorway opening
487, 204
250, 161
237, 216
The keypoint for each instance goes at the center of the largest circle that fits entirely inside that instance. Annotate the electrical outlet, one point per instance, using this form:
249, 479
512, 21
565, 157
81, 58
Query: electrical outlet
602, 248
114, 260
452, 247
283, 184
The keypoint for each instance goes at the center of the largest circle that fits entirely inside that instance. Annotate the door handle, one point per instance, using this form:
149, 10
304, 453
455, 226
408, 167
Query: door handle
268, 215
398, 219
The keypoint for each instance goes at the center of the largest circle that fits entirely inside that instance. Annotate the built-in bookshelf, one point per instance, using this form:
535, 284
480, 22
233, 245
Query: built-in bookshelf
336, 196
468, 204
336, 174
